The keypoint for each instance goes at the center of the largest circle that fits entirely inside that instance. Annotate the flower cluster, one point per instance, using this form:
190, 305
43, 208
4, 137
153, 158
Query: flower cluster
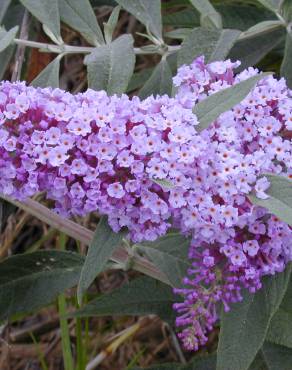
92, 152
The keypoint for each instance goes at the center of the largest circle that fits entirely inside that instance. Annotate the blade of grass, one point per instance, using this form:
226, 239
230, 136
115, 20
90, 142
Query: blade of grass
81, 341
65, 334
135, 359
40, 353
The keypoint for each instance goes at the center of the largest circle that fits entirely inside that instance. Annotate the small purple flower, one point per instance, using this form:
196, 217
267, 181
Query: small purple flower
116, 190
261, 186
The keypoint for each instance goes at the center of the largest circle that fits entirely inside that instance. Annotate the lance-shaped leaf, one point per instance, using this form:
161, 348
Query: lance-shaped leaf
143, 296
30, 281
165, 184
286, 68
47, 12
251, 50
263, 28
49, 76
139, 78
286, 11
147, 12
159, 83
80, 16
273, 5
104, 242
244, 328
7, 37
280, 330
204, 362
279, 202
170, 255
179, 33
234, 15
276, 357
5, 58
4, 5
111, 66
208, 13
213, 44
110, 25
209, 109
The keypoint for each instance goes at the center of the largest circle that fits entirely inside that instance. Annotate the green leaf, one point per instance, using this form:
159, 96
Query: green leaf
159, 83
277, 357
96, 3
47, 12
147, 12
224, 44
242, 15
104, 242
213, 44
250, 51
30, 281
108, 68
244, 328
209, 109
139, 78
208, 12
187, 18
203, 362
179, 33
273, 357
5, 57
263, 28
286, 68
287, 12
4, 4
12, 16
280, 330
163, 183
7, 37
142, 296
168, 366
49, 76
170, 255
273, 5
110, 25
234, 15
279, 202
258, 363
80, 16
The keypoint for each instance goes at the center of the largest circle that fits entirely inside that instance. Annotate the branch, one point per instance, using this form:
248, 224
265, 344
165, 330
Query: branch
69, 49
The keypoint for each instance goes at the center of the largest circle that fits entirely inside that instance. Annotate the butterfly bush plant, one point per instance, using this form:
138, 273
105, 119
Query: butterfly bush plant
190, 174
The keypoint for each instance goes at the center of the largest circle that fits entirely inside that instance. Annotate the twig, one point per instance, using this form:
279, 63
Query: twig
19, 55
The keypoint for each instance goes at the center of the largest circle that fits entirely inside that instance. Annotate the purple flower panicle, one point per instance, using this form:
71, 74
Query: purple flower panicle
91, 152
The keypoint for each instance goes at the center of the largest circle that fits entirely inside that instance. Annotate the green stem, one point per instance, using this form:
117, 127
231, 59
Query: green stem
39, 352
65, 334
81, 343
69, 49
